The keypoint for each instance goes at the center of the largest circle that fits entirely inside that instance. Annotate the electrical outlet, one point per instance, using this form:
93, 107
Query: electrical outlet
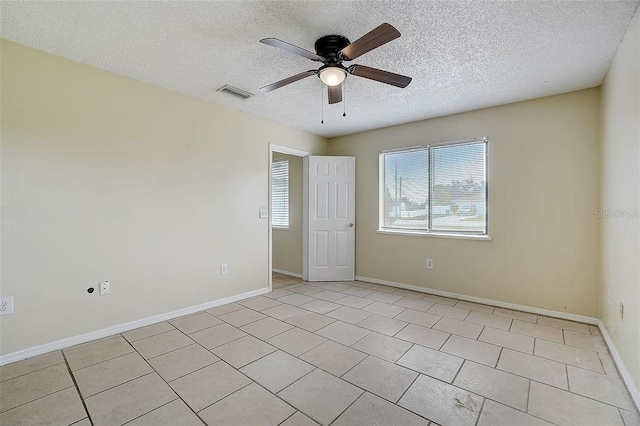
429, 263
223, 269
105, 288
264, 213
6, 305
621, 311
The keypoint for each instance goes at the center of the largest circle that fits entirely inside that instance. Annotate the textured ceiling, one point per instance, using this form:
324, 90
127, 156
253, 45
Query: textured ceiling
462, 55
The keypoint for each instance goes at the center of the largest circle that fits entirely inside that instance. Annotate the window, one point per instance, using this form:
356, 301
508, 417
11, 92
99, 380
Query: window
280, 194
435, 189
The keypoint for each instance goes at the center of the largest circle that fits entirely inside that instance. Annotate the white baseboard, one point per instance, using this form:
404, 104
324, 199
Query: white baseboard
282, 271
120, 328
499, 304
624, 373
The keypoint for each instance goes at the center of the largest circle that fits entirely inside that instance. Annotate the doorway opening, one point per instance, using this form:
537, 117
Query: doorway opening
285, 215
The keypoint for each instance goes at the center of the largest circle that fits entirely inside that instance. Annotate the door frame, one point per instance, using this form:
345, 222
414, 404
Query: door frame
282, 149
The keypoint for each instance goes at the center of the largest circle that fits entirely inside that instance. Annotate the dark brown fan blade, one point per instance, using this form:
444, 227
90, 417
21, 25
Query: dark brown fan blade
335, 94
371, 40
288, 80
291, 48
380, 75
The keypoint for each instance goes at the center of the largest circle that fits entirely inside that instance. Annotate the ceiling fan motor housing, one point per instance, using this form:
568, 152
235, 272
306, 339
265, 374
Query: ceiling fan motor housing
328, 47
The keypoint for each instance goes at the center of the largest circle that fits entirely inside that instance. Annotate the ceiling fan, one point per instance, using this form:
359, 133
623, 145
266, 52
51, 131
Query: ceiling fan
332, 50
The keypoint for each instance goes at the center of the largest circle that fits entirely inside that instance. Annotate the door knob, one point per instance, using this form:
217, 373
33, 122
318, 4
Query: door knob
351, 225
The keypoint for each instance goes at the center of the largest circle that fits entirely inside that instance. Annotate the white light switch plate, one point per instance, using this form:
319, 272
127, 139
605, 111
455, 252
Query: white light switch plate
264, 213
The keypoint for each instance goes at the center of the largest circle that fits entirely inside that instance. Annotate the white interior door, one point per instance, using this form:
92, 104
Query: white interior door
329, 234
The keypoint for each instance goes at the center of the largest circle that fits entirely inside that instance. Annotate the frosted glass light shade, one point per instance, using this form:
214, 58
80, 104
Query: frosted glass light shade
332, 76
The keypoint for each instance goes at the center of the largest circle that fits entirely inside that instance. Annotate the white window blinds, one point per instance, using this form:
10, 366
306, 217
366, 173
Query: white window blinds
406, 189
459, 177
280, 194
436, 188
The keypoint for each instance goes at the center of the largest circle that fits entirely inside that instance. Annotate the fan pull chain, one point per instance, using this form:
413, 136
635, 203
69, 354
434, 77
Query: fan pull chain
344, 98
322, 103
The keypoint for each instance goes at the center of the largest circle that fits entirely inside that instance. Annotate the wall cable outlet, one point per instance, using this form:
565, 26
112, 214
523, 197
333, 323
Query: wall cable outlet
6, 305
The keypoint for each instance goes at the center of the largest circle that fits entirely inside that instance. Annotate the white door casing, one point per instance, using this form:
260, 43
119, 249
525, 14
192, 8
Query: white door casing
329, 218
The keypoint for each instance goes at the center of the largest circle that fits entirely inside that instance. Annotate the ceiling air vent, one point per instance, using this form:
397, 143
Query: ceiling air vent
235, 91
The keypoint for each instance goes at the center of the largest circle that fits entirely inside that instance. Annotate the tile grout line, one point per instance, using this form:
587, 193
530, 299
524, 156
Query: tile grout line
403, 354
127, 381
480, 411
215, 402
243, 387
403, 327
171, 387
357, 364
276, 393
499, 356
34, 371
104, 360
293, 414
144, 414
119, 384
191, 372
152, 335
363, 389
275, 335
407, 389
230, 341
73, 379
551, 386
589, 397
349, 406
37, 399
305, 352
346, 381
517, 409
171, 351
457, 373
442, 346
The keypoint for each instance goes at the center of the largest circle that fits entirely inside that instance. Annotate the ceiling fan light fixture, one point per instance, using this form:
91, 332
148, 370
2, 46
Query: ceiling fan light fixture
332, 50
332, 76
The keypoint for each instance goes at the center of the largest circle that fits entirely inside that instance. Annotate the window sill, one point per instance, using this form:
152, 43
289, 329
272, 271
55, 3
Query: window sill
280, 228
434, 234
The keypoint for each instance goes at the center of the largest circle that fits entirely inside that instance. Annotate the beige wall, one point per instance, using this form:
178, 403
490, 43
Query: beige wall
108, 178
544, 175
621, 190
287, 244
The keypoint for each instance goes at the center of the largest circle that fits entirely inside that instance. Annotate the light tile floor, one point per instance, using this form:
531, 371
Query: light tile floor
350, 353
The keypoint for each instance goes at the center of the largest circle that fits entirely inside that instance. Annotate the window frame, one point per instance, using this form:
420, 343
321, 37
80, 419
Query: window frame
473, 235
288, 212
